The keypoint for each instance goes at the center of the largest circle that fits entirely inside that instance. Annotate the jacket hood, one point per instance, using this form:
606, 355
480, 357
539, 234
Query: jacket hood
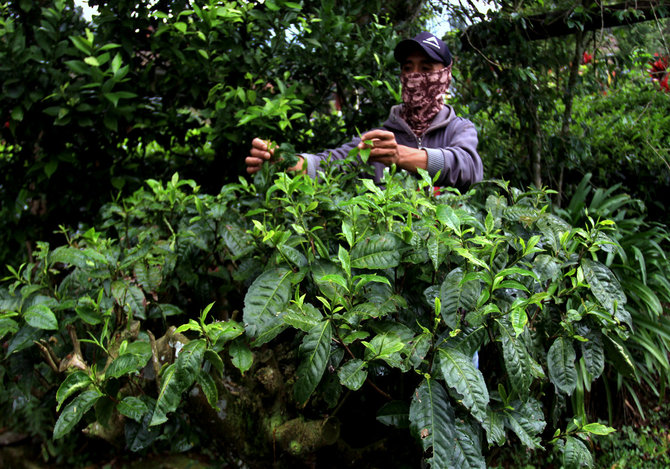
442, 119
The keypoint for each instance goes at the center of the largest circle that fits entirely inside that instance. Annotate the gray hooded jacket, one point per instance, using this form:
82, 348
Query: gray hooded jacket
450, 142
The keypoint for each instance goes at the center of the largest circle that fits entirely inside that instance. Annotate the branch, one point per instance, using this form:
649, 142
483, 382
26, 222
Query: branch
556, 24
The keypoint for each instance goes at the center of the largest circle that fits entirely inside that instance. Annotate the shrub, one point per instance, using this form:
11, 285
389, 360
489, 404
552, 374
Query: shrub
275, 311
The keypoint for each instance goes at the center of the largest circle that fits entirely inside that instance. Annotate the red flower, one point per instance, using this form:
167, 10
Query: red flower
586, 58
658, 66
664, 83
7, 125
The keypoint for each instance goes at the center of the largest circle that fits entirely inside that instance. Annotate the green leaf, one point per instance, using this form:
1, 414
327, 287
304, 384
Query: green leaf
598, 429
519, 319
220, 332
527, 421
430, 417
383, 346
40, 316
377, 252
447, 216
208, 386
148, 276
130, 298
432, 420
125, 364
594, 355
394, 414
140, 435
132, 407
561, 365
70, 385
353, 374
190, 360
74, 411
82, 44
604, 285
8, 326
322, 269
620, 356
315, 350
576, 454
456, 296
546, 267
334, 278
237, 240
517, 362
462, 376
169, 395
240, 355
495, 428
345, 260
264, 304
551, 226
304, 317
177, 378
214, 358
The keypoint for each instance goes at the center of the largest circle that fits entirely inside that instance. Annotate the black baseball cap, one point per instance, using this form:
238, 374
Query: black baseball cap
432, 45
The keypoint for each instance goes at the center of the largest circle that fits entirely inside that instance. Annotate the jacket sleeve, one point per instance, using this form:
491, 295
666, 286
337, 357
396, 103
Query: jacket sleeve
456, 159
314, 160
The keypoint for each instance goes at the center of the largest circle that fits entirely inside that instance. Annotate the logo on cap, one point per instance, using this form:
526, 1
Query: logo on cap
432, 41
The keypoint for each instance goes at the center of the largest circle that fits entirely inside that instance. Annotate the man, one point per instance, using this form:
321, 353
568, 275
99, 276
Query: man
422, 132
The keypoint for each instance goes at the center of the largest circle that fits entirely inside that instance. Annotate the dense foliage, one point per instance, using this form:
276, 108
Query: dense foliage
480, 318
552, 111
329, 321
148, 89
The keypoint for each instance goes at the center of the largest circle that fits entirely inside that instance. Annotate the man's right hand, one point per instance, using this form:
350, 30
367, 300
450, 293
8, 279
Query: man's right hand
259, 154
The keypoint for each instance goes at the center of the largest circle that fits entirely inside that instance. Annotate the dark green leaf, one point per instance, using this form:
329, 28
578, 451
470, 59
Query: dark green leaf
561, 365
377, 252
208, 386
604, 285
74, 411
132, 407
456, 296
125, 364
40, 316
315, 350
576, 454
527, 421
394, 414
517, 362
240, 355
461, 375
168, 397
353, 374
74, 382
264, 304
214, 358
594, 355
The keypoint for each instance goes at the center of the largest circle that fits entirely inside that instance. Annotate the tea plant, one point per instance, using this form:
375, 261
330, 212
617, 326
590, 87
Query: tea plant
264, 311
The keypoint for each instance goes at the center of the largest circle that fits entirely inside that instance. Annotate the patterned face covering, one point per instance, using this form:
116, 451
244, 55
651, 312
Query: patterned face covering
423, 97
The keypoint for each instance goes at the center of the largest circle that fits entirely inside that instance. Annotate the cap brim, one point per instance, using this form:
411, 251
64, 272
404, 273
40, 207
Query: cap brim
407, 46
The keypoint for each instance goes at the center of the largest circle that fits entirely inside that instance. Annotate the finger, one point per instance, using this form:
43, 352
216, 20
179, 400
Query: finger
383, 143
253, 164
378, 133
260, 144
261, 154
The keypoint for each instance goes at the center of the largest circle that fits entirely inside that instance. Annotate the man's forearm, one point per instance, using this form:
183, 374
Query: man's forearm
410, 159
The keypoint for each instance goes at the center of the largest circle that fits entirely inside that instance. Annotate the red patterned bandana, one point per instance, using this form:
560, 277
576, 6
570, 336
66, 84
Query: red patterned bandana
423, 97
